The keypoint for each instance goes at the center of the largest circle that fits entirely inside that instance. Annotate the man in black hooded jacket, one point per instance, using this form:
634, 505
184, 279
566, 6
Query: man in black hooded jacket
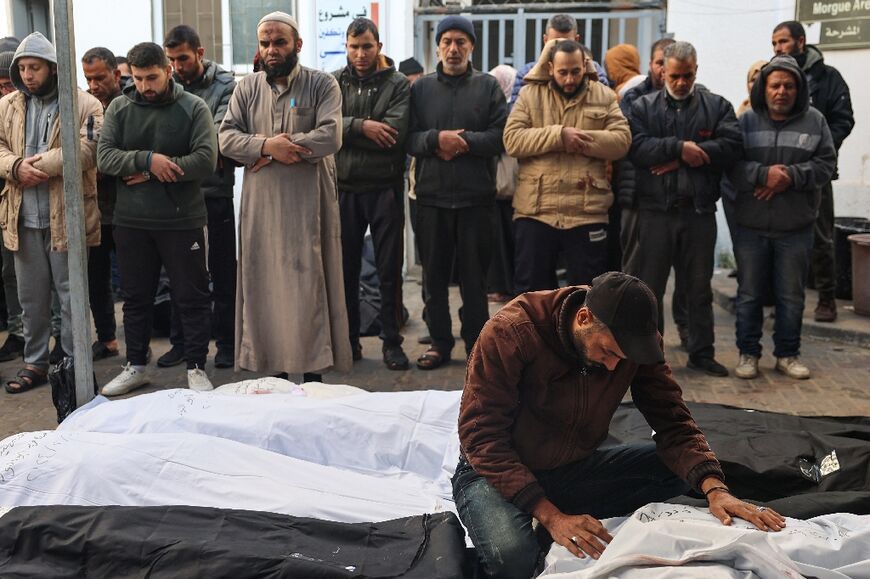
829, 94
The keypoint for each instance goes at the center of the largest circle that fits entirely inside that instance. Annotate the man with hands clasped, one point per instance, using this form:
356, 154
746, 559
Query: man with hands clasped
563, 129
160, 142
789, 157
683, 138
543, 382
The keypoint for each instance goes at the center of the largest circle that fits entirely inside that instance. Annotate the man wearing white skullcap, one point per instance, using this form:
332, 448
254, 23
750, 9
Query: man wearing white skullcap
284, 124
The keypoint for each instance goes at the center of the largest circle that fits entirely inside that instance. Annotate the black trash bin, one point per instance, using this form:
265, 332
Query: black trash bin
843, 228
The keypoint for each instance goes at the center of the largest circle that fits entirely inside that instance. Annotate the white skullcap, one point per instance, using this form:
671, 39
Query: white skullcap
279, 17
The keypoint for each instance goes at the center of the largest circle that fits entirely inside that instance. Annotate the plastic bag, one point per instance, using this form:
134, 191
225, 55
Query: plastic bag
62, 378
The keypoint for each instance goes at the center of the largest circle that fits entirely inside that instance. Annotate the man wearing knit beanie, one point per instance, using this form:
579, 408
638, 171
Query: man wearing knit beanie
457, 119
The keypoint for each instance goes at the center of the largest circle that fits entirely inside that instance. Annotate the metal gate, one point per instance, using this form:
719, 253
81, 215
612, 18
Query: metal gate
515, 36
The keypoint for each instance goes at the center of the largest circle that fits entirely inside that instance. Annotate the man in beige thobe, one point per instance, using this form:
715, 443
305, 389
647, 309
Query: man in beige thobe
284, 124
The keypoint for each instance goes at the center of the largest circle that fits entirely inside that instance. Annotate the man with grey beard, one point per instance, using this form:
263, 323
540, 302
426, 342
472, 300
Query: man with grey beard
683, 139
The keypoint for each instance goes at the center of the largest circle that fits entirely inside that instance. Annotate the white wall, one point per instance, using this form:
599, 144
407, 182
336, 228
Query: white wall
396, 27
730, 36
115, 25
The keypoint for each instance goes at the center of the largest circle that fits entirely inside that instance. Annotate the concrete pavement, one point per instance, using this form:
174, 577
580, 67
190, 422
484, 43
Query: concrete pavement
840, 384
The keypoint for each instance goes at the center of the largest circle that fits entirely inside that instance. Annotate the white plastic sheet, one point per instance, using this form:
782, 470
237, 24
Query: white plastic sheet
94, 468
665, 541
387, 435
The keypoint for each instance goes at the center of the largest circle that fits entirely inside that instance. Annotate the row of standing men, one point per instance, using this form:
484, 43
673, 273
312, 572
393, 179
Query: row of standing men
564, 129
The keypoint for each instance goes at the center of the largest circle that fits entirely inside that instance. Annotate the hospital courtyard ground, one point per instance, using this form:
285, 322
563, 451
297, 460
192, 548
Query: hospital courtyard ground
838, 355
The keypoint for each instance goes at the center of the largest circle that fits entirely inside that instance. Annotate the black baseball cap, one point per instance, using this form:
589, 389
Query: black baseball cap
630, 311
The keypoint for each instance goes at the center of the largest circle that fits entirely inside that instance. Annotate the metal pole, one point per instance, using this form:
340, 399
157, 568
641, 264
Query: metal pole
73, 200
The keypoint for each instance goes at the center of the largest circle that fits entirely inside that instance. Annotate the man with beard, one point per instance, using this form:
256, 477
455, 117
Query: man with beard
563, 130
544, 380
284, 123
829, 94
214, 85
626, 196
32, 207
104, 83
159, 142
789, 156
683, 140
371, 165
559, 27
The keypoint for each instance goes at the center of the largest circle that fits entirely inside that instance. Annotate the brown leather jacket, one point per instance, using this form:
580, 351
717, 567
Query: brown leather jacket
531, 404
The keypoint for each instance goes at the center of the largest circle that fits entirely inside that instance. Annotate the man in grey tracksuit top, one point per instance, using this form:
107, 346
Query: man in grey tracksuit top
788, 156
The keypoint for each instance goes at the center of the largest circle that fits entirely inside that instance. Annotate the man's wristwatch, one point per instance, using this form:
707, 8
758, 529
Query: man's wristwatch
146, 174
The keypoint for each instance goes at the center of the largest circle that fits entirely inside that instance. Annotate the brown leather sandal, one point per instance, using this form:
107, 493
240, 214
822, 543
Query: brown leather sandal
27, 378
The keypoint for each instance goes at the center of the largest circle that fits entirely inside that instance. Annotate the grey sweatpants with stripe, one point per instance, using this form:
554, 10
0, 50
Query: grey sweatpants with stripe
37, 267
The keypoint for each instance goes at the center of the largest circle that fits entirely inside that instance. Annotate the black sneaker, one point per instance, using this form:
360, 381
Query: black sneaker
395, 358
57, 354
12, 349
101, 351
173, 357
225, 358
708, 365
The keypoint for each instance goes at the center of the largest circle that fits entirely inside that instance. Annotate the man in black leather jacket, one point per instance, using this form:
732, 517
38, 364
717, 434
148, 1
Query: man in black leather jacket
683, 139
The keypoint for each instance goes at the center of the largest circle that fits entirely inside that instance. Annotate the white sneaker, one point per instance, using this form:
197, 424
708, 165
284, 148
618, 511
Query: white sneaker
793, 368
747, 367
129, 379
198, 380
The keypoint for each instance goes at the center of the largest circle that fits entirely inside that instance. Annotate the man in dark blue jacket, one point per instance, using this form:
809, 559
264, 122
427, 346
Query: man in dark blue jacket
683, 140
829, 94
457, 119
788, 158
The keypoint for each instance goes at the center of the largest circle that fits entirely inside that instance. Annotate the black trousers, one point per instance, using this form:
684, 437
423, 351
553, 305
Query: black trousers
384, 212
466, 235
823, 254
222, 270
141, 253
685, 240
501, 268
100, 285
538, 246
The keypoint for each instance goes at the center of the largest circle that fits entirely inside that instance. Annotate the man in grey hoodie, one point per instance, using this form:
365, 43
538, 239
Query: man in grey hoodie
788, 158
31, 208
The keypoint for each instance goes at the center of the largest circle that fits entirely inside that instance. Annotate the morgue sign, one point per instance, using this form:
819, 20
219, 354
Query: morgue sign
844, 23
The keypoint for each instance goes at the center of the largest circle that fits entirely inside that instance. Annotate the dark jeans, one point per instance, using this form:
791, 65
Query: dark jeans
384, 212
787, 257
141, 252
466, 235
222, 270
684, 240
824, 273
100, 285
609, 483
538, 246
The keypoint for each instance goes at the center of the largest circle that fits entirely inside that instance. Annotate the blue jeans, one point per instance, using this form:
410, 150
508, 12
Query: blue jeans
784, 259
609, 483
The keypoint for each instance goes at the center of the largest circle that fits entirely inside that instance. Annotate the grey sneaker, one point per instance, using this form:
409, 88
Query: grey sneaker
129, 379
198, 380
793, 368
747, 367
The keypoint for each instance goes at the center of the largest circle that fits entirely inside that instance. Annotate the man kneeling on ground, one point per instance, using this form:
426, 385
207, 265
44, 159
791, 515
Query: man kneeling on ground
544, 380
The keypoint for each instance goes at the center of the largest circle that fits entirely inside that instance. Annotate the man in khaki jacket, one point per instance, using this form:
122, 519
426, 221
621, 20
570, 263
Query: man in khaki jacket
32, 203
564, 128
